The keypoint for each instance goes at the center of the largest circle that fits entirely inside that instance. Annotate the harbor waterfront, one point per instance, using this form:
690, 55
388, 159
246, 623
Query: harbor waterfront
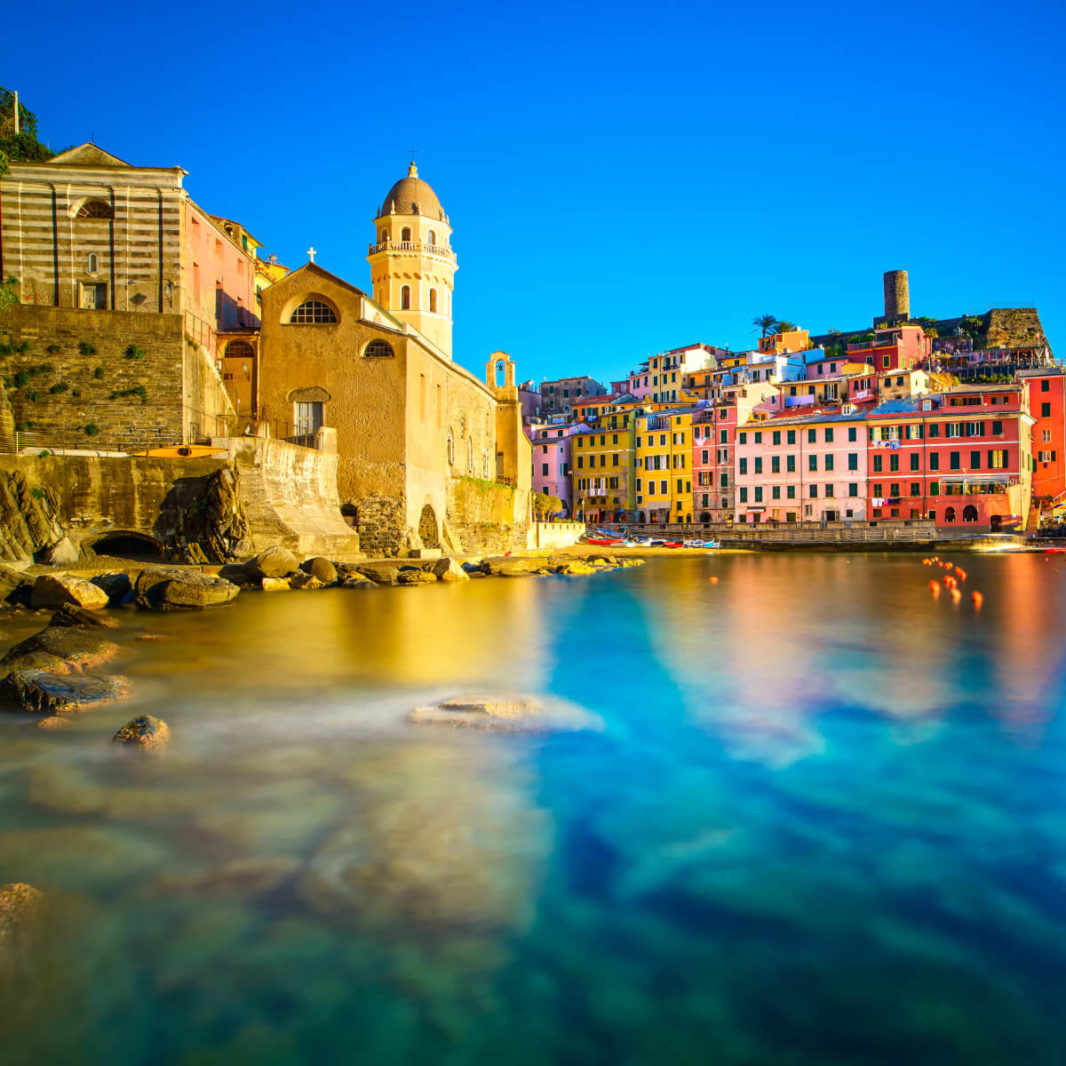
806, 813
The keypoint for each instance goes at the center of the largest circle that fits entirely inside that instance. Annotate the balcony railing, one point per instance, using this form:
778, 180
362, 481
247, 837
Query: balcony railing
411, 246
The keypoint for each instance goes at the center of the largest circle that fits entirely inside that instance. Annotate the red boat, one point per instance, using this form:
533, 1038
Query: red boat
603, 542
673, 544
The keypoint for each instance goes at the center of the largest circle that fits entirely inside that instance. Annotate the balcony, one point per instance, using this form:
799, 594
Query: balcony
420, 247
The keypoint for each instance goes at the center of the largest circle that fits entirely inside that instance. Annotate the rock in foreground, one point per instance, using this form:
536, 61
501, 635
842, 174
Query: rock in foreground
41, 692
55, 590
61, 650
447, 569
162, 588
145, 732
321, 569
19, 904
272, 562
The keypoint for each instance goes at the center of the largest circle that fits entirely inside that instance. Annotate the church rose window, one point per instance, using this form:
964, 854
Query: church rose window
378, 348
313, 311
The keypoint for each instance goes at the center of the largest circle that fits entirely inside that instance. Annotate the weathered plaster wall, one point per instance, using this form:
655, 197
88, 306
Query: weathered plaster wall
482, 515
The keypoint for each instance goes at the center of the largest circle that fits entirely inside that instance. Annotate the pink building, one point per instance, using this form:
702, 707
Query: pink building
893, 348
802, 468
220, 287
552, 452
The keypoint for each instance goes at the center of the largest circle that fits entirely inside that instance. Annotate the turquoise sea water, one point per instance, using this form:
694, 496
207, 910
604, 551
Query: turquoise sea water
821, 820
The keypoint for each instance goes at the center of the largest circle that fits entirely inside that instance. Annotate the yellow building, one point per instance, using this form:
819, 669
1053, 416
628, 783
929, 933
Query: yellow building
603, 469
663, 450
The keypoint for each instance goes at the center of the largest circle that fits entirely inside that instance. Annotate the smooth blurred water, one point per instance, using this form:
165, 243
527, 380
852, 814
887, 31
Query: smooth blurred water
823, 823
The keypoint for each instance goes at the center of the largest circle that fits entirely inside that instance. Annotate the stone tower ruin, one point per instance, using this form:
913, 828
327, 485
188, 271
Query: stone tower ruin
897, 296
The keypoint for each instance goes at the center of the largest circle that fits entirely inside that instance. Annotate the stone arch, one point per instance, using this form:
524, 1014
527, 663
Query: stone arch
969, 513
429, 527
500, 365
310, 305
311, 394
949, 515
127, 544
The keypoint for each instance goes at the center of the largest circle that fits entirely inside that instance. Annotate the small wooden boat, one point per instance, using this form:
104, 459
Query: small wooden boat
672, 544
603, 542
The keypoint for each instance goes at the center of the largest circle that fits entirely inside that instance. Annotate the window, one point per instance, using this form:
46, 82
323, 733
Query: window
828, 491
955, 460
775, 464
878, 463
790, 491
775, 492
975, 429
95, 209
743, 438
829, 436
853, 460
743, 495
811, 436
92, 262
893, 463
934, 460
997, 428
852, 434
894, 492
790, 463
812, 461
307, 418
791, 438
378, 349
743, 465
916, 488
313, 311
853, 488
405, 234
934, 488
758, 437
1045, 410
1045, 385
451, 453
432, 301
664, 488
758, 494
431, 236
829, 462
777, 436
997, 458
405, 298
915, 461
878, 490
758, 465
975, 460
813, 492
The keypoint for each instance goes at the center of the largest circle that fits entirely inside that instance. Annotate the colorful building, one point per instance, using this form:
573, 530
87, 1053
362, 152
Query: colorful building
558, 396
805, 468
962, 457
1046, 389
552, 458
892, 348
664, 465
603, 469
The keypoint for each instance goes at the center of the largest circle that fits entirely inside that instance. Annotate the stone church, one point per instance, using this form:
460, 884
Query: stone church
429, 456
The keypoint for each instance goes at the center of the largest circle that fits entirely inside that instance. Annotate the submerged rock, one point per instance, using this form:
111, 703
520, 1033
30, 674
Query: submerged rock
61, 650
380, 575
41, 692
447, 569
272, 562
70, 615
54, 590
162, 588
575, 566
145, 732
19, 904
321, 569
303, 580
503, 712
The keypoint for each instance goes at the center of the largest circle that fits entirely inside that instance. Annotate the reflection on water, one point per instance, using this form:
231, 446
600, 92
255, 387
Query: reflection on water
823, 824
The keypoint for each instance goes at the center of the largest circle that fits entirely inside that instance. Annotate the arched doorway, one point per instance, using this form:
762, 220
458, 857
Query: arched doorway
969, 513
429, 528
949, 515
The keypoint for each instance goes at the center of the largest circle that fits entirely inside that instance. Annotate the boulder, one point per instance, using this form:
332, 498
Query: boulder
272, 562
40, 692
303, 580
144, 732
162, 588
116, 584
415, 577
54, 590
62, 553
70, 615
321, 569
507, 566
19, 904
14, 586
380, 575
61, 650
276, 584
575, 566
447, 569
357, 581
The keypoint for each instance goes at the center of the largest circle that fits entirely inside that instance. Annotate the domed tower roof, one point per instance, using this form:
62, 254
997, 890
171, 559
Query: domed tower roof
412, 196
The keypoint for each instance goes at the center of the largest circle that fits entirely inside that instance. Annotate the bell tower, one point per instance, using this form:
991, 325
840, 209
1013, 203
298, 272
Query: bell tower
412, 265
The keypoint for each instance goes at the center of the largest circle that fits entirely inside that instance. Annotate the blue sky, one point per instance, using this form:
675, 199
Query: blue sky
621, 178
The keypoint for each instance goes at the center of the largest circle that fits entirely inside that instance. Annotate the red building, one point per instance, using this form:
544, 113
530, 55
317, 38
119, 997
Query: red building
1046, 388
961, 457
893, 348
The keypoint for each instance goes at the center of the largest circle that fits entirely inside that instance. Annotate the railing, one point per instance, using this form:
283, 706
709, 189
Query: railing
410, 246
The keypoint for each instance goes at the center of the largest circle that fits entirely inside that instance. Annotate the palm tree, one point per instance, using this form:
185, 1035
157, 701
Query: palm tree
764, 322
784, 327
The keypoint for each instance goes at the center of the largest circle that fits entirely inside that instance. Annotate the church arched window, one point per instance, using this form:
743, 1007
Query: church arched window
405, 298
405, 233
451, 449
95, 209
92, 263
433, 301
432, 236
313, 311
382, 236
378, 349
